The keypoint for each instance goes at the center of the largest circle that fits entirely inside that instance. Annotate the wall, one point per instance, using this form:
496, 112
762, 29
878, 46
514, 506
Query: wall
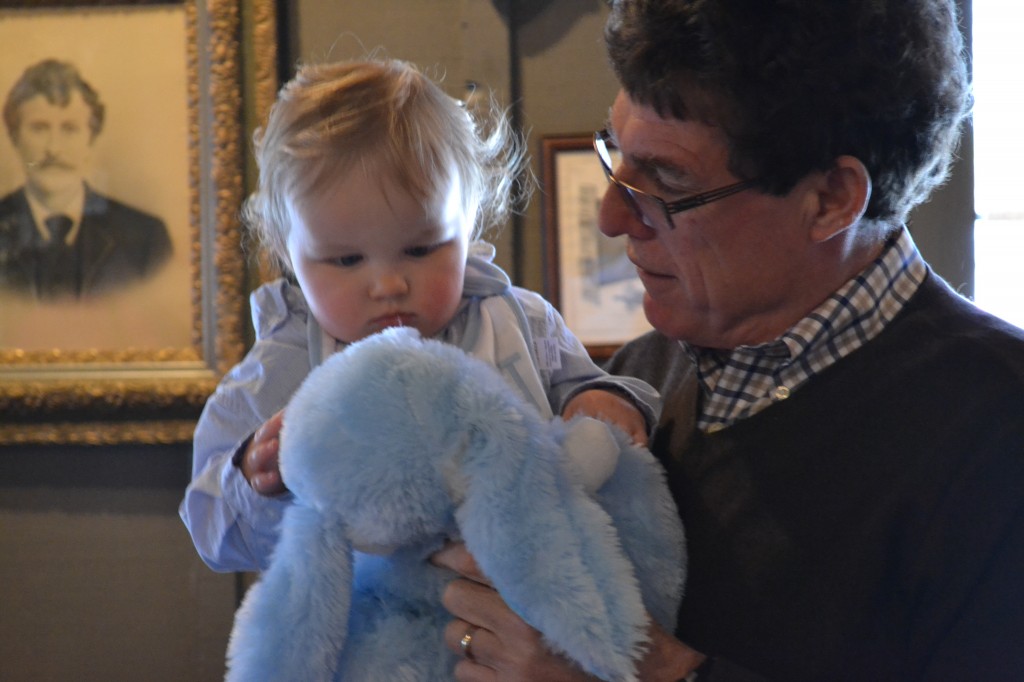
98, 577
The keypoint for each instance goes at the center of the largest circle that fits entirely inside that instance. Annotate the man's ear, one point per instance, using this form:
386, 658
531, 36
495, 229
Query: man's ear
842, 195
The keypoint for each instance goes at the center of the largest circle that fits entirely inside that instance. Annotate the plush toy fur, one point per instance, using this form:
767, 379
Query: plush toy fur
399, 443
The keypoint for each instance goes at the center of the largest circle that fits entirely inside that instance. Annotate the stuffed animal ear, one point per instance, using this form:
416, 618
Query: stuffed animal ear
293, 623
638, 499
549, 549
630, 486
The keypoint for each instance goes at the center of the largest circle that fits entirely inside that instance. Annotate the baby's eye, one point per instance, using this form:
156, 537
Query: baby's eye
421, 251
348, 261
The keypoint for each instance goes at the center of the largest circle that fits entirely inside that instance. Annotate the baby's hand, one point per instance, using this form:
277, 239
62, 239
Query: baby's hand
610, 407
259, 465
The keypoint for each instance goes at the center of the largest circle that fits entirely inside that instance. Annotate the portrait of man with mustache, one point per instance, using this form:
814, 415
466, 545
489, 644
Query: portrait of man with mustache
60, 238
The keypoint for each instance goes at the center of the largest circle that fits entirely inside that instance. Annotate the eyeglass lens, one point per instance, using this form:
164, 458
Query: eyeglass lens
644, 206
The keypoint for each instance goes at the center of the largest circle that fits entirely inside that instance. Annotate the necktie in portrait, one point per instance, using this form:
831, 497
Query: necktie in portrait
57, 267
58, 227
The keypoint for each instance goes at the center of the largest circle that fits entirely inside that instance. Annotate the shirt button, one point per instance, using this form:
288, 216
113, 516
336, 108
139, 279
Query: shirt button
780, 393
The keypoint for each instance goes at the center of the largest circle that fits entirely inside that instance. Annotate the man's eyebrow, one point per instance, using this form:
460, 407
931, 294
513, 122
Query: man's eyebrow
651, 162
648, 163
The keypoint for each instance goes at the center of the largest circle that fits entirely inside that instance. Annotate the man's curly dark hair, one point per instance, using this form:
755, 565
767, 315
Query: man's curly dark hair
797, 83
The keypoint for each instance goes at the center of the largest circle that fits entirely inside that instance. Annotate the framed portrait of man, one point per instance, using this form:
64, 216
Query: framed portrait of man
121, 175
94, 180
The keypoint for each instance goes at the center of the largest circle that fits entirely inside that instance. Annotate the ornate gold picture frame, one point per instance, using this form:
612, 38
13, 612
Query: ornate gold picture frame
178, 81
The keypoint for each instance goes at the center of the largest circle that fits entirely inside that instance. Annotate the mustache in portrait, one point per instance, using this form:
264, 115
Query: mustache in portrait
49, 162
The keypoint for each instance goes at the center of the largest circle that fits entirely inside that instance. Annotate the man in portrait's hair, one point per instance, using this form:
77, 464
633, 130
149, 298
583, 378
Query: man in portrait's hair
59, 238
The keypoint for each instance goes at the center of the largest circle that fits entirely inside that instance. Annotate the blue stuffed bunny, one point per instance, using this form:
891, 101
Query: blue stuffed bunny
400, 443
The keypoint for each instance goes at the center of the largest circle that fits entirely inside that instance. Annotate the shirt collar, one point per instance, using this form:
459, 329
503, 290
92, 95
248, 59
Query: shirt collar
739, 382
74, 210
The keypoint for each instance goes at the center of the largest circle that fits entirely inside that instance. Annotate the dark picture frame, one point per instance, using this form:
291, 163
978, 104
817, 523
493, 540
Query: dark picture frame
105, 371
586, 274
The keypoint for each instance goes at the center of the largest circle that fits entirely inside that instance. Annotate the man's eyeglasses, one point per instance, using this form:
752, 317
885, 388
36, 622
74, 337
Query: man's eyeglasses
652, 210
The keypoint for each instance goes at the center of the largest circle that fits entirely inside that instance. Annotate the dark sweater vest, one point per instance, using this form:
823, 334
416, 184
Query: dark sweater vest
870, 527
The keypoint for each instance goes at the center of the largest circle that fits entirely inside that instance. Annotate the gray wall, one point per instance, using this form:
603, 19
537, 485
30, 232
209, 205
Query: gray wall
98, 579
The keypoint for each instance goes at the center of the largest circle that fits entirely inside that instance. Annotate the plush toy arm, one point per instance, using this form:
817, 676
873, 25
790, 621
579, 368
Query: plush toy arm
550, 550
630, 485
637, 498
293, 623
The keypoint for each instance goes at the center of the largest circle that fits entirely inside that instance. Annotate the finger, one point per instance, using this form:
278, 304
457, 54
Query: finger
474, 646
475, 603
271, 428
268, 483
264, 457
266, 434
468, 671
455, 557
461, 638
502, 643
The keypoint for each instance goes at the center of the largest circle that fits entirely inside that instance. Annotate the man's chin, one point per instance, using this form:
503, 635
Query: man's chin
49, 182
666, 318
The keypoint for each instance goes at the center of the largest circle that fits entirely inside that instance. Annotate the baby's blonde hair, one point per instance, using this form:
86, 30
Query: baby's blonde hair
383, 116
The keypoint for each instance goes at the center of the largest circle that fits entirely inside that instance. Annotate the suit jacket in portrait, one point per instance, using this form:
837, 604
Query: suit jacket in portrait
116, 246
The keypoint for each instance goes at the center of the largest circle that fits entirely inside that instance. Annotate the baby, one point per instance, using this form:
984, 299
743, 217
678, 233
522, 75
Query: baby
374, 189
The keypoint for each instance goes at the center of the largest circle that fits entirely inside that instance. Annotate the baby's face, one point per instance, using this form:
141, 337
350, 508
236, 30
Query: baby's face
368, 258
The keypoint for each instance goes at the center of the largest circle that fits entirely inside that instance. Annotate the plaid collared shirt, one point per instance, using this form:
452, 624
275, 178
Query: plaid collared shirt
739, 383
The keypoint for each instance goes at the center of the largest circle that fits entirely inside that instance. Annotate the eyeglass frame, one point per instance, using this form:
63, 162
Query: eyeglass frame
629, 192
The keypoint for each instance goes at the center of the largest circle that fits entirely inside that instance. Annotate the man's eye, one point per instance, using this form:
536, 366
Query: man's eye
669, 184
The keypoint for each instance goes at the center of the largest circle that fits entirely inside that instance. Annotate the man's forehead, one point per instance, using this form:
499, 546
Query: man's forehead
44, 104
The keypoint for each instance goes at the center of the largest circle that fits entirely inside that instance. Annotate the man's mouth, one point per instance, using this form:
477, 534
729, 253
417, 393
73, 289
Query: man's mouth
643, 271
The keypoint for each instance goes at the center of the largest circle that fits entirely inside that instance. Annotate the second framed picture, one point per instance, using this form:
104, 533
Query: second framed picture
586, 275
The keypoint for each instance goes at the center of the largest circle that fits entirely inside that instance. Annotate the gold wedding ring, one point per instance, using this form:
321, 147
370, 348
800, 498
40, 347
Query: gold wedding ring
466, 642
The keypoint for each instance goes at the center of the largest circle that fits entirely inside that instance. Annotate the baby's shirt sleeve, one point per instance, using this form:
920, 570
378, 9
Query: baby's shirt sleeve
568, 368
233, 527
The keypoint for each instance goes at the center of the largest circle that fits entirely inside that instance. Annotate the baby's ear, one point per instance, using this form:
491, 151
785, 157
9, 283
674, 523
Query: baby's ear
293, 623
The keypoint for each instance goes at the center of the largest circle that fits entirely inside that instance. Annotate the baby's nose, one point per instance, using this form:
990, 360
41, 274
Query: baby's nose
390, 284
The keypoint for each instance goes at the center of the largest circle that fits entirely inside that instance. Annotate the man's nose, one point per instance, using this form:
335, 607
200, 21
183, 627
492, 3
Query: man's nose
617, 218
51, 142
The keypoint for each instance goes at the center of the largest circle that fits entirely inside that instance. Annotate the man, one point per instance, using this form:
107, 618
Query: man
842, 432
58, 237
